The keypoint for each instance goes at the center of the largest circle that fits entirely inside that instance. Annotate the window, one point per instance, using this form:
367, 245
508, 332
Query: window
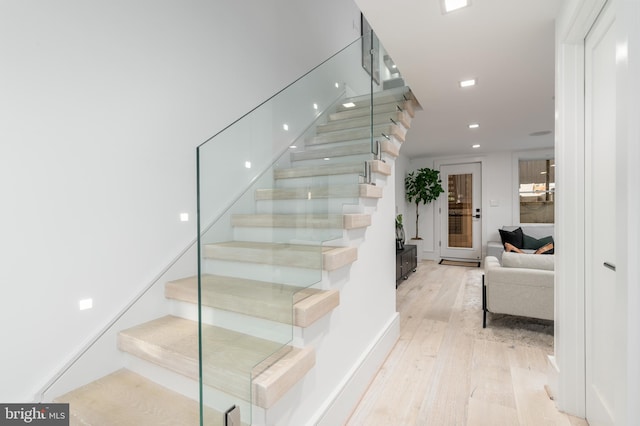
537, 191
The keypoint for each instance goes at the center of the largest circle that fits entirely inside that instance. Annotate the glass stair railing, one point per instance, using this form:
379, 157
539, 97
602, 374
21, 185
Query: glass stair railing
303, 159
277, 192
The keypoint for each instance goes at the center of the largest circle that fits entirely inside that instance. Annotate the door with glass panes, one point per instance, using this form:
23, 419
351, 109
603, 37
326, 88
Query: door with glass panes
460, 212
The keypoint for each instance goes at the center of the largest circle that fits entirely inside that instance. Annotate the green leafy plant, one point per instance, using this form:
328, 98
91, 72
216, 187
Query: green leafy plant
399, 221
422, 186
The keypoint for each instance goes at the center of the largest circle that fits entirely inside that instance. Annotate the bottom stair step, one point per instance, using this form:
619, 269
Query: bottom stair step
124, 398
229, 358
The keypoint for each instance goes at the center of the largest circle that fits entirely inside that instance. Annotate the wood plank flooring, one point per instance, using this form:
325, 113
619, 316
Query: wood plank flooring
445, 370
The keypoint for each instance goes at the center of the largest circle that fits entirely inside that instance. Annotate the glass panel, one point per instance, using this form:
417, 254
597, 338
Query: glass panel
265, 212
537, 191
460, 211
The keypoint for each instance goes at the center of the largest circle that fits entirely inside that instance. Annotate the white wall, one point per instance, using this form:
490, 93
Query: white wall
102, 105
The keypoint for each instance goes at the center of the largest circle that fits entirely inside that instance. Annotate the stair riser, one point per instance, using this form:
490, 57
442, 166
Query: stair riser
342, 150
293, 236
302, 206
311, 181
306, 221
324, 169
255, 271
341, 193
365, 153
365, 121
396, 130
335, 159
245, 324
308, 194
351, 171
390, 107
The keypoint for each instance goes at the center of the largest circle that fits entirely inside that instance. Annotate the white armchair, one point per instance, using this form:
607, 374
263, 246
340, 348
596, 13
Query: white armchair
522, 285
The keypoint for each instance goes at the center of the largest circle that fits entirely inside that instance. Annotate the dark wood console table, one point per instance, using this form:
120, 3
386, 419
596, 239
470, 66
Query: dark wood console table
406, 262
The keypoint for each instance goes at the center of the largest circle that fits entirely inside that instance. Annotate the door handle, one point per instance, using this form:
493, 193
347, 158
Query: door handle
610, 266
477, 216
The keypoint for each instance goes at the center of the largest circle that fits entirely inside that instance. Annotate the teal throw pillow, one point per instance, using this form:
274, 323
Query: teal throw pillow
531, 243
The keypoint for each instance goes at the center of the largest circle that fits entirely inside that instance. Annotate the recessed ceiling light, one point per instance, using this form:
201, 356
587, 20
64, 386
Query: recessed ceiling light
451, 5
327, 158
315, 106
475, 146
247, 164
337, 85
293, 146
474, 125
184, 217
349, 105
468, 83
285, 127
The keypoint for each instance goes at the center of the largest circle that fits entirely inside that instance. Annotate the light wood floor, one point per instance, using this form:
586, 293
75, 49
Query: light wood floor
441, 372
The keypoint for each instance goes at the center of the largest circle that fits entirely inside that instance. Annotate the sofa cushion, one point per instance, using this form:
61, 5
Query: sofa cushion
531, 243
514, 237
529, 261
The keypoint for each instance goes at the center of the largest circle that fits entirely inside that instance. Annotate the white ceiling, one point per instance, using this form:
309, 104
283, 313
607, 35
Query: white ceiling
507, 45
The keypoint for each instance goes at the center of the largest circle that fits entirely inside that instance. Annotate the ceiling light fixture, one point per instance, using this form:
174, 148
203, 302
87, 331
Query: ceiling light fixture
475, 146
468, 83
451, 5
474, 125
349, 105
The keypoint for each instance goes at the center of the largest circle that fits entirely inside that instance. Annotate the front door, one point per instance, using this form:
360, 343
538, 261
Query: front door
460, 213
602, 353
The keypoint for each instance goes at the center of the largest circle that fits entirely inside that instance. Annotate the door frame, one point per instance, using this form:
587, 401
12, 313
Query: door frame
443, 220
437, 164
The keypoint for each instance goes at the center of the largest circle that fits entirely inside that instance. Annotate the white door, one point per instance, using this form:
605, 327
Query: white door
602, 350
460, 212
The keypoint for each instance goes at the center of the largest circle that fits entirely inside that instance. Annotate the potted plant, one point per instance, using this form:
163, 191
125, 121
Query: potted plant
422, 186
399, 233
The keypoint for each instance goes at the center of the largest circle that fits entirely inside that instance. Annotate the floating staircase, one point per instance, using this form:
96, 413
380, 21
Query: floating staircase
239, 282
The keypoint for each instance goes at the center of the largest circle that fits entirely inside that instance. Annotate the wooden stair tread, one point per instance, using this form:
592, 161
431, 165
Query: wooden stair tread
295, 255
320, 192
229, 358
315, 220
125, 398
326, 170
257, 298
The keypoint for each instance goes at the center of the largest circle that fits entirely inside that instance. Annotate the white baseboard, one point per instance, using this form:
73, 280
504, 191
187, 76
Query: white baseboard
344, 399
